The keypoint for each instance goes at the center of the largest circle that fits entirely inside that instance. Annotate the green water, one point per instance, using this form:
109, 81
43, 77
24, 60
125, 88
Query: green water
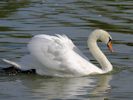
22, 19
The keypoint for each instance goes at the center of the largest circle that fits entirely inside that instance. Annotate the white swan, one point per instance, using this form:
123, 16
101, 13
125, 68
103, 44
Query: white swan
58, 56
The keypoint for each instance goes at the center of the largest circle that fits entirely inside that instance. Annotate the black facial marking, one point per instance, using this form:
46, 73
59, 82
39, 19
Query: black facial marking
110, 39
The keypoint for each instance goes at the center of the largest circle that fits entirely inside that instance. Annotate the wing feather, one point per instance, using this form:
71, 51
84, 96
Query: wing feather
49, 50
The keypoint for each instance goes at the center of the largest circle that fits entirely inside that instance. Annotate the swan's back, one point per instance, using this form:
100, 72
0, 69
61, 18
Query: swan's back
49, 50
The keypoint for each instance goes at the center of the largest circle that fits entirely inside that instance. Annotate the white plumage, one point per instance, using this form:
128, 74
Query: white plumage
56, 56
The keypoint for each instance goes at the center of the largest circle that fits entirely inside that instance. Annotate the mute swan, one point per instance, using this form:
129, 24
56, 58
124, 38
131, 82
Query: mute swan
58, 56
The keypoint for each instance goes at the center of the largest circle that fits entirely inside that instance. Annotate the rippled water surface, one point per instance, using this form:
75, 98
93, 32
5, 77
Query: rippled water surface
22, 19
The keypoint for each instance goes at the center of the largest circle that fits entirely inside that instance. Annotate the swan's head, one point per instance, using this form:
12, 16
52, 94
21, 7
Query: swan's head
103, 36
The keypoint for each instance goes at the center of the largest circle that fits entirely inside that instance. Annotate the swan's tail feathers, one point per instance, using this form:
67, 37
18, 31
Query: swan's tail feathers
12, 63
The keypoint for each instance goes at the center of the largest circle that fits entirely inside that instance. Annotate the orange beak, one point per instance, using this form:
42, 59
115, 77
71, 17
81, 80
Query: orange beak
109, 45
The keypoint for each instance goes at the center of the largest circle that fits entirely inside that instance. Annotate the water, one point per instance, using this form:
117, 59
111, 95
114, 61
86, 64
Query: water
22, 19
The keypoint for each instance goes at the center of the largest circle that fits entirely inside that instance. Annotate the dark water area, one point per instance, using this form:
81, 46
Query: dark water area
22, 19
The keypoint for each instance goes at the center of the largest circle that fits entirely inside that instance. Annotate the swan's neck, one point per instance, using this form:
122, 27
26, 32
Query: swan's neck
98, 55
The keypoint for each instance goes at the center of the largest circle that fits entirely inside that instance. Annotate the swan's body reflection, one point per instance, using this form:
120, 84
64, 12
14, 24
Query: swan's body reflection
69, 88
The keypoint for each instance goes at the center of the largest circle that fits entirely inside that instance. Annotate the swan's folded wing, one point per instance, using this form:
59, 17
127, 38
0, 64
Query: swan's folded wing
50, 51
